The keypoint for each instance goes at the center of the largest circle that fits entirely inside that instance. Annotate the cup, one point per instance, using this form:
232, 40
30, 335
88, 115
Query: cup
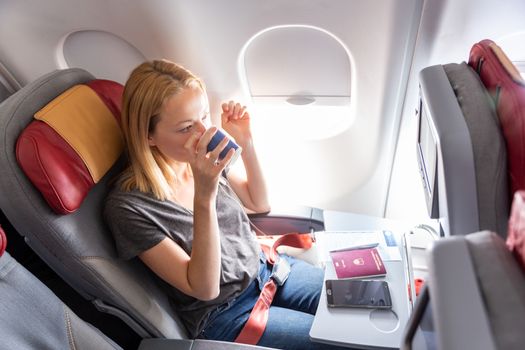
216, 139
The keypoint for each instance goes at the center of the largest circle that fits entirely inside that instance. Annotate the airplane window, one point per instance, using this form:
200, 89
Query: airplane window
298, 97
307, 122
293, 87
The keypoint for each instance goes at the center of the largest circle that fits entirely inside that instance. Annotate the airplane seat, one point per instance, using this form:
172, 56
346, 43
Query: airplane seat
62, 148
462, 152
32, 317
475, 295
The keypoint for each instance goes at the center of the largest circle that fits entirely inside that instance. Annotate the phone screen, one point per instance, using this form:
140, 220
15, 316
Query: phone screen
358, 293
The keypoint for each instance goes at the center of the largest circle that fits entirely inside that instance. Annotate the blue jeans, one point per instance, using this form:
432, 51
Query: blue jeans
291, 313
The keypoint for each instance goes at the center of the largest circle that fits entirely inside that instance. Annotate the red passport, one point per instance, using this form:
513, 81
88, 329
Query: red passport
357, 263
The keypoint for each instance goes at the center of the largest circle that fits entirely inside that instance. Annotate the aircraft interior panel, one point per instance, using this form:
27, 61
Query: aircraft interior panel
342, 170
77, 51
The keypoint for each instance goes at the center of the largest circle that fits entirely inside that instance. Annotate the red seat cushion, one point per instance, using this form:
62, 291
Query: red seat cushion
504, 83
73, 144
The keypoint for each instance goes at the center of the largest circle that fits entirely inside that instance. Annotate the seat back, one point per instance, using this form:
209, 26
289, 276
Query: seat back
475, 294
63, 222
32, 317
476, 297
469, 179
488, 147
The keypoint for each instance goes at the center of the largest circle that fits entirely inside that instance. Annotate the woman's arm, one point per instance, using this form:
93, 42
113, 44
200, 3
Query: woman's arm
197, 274
251, 188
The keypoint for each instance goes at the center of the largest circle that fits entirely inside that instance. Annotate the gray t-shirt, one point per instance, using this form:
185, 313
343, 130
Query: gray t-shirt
138, 222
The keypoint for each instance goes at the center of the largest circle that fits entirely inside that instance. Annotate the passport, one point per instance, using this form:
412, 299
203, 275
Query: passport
357, 263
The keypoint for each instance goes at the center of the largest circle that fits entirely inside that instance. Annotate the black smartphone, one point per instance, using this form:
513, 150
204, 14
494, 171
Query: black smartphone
358, 293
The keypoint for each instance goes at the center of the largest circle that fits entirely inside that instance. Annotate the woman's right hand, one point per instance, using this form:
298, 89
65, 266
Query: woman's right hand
206, 166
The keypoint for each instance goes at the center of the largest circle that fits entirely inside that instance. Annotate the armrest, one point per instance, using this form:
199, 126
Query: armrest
289, 219
198, 344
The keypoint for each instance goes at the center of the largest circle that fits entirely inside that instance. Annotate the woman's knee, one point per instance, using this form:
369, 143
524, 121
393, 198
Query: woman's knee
290, 330
287, 329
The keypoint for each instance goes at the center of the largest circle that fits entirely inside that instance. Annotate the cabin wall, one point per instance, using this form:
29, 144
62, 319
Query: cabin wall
347, 171
354, 170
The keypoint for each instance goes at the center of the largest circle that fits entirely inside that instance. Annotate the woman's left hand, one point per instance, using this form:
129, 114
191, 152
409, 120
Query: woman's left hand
236, 121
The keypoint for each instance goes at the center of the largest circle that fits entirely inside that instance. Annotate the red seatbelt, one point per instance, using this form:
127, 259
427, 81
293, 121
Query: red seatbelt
254, 327
3, 241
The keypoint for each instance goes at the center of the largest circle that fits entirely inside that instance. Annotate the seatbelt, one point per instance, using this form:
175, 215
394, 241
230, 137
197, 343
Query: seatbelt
254, 327
3, 241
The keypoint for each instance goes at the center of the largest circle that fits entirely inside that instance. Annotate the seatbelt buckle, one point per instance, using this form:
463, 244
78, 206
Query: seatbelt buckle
280, 271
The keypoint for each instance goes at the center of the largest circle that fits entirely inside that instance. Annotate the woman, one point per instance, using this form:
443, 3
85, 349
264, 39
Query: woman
176, 210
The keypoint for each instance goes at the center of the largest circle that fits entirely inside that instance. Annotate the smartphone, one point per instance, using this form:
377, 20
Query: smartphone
358, 293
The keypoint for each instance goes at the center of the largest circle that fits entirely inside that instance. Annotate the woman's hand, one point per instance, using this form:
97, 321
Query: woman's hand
249, 187
206, 166
236, 121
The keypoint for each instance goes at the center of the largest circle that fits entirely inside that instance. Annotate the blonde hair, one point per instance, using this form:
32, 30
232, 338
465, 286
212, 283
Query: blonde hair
146, 89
